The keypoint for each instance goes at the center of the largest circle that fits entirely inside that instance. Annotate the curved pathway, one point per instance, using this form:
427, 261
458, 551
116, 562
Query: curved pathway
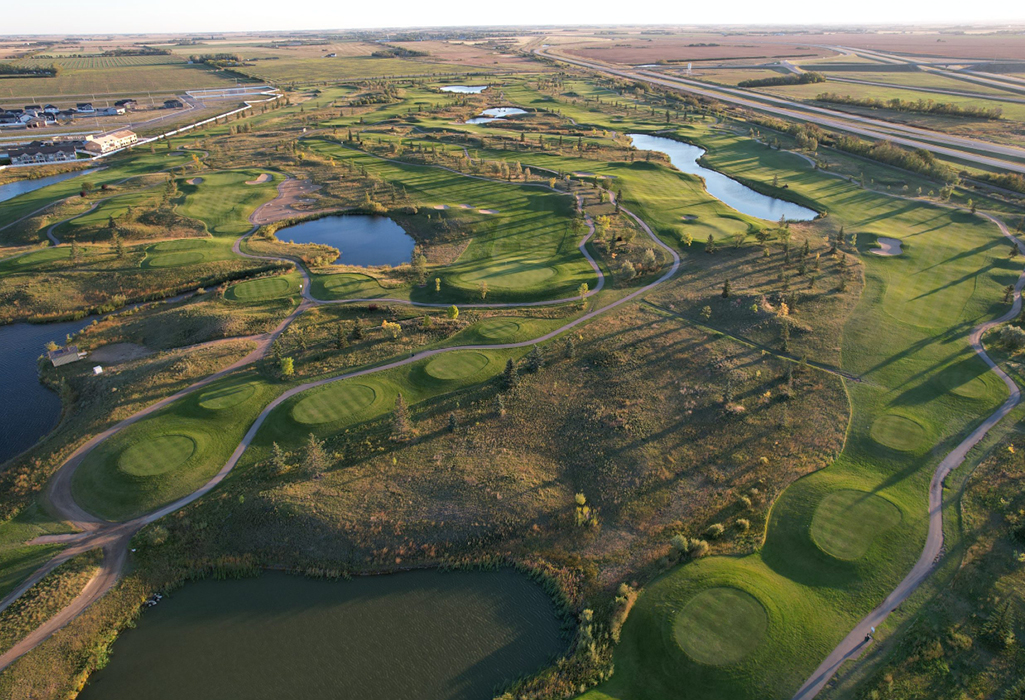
114, 537
858, 639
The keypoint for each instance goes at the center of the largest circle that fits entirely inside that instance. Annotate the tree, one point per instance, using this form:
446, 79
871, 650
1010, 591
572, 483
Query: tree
420, 267
453, 312
648, 259
535, 359
341, 337
509, 376
119, 248
437, 285
482, 289
402, 428
357, 329
569, 348
726, 289
706, 313
315, 458
499, 405
287, 366
1008, 294
76, 251
972, 205
392, 330
279, 459
710, 245
582, 290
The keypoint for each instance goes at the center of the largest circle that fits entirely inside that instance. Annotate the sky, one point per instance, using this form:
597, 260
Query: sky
132, 16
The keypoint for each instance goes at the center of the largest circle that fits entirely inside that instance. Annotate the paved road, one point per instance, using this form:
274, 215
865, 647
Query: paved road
914, 137
114, 537
855, 642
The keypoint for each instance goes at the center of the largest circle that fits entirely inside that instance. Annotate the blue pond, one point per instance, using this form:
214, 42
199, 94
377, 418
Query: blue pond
684, 157
495, 114
13, 189
465, 89
362, 240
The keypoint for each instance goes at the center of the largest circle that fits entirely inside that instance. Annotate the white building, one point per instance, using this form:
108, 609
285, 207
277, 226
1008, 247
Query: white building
105, 143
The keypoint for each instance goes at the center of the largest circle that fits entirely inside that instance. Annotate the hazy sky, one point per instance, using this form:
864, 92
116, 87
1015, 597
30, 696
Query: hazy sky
127, 16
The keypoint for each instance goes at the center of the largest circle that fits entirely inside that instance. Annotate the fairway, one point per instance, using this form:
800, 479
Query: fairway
456, 365
720, 626
175, 259
223, 201
157, 455
337, 401
846, 522
898, 433
226, 397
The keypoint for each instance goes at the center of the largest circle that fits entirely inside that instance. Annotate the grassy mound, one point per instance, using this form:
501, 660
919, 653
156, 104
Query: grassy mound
226, 396
456, 365
156, 456
260, 289
846, 522
720, 626
499, 328
337, 401
898, 433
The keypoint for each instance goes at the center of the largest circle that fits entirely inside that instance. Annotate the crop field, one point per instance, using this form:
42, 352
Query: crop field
920, 79
85, 63
115, 80
315, 70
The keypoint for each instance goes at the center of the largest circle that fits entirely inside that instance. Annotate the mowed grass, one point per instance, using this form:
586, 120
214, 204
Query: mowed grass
223, 201
187, 251
818, 573
264, 288
350, 285
720, 626
171, 453
525, 252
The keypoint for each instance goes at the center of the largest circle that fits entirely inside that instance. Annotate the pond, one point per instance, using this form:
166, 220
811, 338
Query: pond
362, 240
416, 635
684, 157
18, 187
465, 89
495, 114
36, 411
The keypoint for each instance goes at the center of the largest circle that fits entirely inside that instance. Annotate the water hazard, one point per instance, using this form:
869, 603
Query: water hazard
362, 240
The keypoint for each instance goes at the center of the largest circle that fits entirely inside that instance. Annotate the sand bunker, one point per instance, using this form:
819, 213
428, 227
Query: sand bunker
260, 180
488, 211
465, 206
887, 246
441, 206
689, 217
194, 181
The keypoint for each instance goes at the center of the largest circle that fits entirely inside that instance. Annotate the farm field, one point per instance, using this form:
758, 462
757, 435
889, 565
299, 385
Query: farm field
707, 439
116, 79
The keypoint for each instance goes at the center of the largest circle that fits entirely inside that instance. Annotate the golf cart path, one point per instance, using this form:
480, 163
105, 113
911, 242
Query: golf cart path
114, 537
858, 638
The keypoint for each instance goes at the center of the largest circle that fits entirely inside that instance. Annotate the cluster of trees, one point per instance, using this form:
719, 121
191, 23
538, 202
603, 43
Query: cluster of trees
217, 59
389, 51
791, 79
1009, 181
50, 71
140, 51
919, 106
919, 160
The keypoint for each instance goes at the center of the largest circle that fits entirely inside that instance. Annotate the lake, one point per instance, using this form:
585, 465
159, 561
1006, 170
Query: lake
465, 89
362, 240
29, 410
494, 114
684, 157
18, 187
422, 635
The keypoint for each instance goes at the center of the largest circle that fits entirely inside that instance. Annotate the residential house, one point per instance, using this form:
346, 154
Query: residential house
65, 356
173, 104
39, 152
85, 107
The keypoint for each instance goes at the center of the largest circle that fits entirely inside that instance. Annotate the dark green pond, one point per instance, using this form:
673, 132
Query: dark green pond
418, 635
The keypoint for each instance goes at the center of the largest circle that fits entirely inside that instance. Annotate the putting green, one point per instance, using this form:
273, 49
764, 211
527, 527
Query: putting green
898, 433
345, 284
337, 401
847, 522
456, 365
966, 381
175, 259
261, 289
226, 397
157, 456
499, 328
720, 626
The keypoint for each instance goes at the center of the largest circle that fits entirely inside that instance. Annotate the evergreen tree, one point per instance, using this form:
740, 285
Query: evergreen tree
402, 428
357, 329
509, 376
315, 458
453, 422
569, 349
279, 459
535, 359
341, 337
499, 405
726, 289
710, 245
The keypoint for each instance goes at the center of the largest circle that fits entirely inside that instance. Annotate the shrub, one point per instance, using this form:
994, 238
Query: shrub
743, 524
1012, 337
715, 531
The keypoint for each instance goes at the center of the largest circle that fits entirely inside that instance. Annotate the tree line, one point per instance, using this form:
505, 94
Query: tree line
791, 79
919, 106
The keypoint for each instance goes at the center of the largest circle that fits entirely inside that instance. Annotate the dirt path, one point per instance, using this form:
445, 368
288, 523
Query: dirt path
855, 642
